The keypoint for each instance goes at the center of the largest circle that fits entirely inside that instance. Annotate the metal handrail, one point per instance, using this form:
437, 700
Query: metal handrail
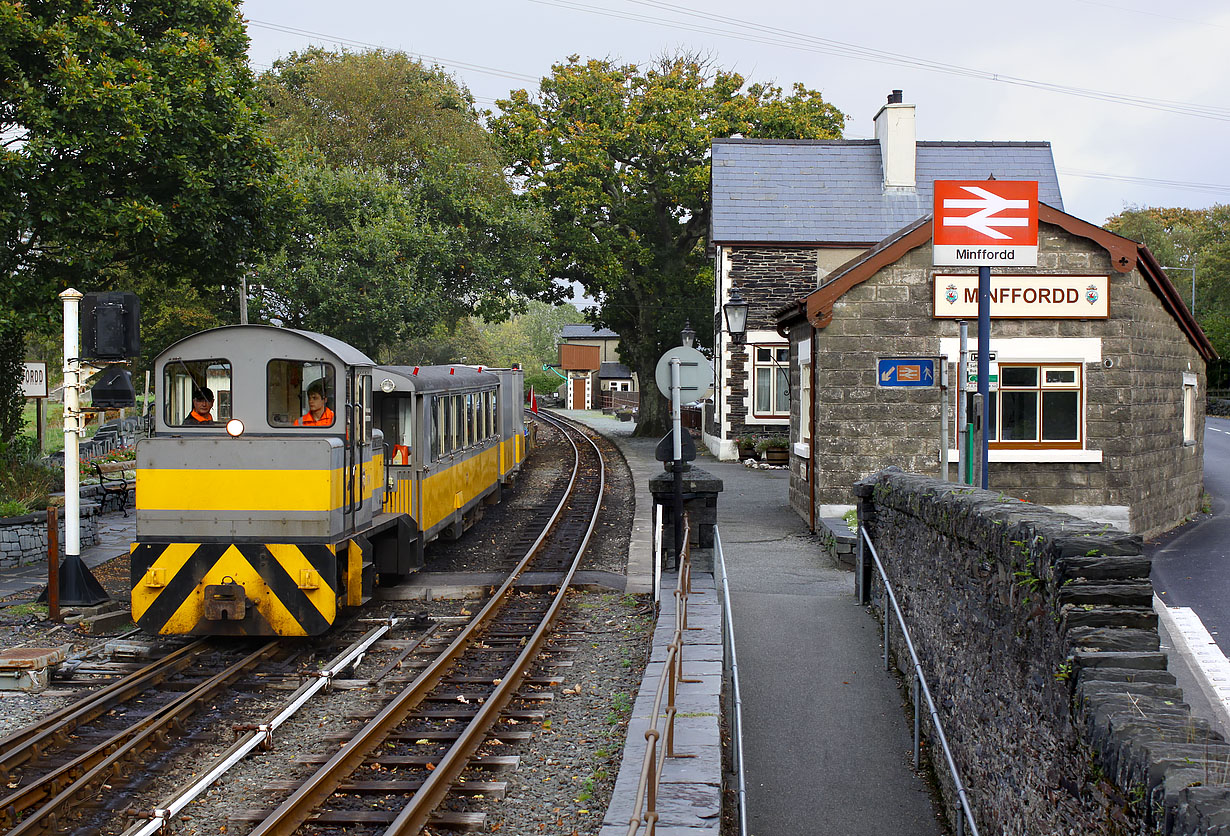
920, 683
672, 674
728, 634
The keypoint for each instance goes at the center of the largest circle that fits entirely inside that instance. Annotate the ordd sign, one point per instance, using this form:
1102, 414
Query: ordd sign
34, 380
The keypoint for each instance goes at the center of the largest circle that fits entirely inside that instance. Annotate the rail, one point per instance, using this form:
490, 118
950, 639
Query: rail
863, 592
728, 642
645, 806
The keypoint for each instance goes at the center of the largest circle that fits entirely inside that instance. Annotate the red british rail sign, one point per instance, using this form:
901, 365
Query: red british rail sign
985, 223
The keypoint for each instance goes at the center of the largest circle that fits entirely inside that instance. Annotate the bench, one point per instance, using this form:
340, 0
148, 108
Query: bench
112, 486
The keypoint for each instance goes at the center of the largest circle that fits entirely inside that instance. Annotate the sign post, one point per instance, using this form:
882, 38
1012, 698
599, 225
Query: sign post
681, 370
34, 385
978, 223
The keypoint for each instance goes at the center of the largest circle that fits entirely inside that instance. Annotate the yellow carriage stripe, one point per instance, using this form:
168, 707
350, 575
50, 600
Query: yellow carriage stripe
226, 490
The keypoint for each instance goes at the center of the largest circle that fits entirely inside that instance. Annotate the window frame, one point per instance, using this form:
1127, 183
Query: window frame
776, 366
1040, 388
172, 373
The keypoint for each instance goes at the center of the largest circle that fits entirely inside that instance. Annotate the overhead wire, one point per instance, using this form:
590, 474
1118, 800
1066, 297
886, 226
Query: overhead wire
837, 47
447, 62
777, 36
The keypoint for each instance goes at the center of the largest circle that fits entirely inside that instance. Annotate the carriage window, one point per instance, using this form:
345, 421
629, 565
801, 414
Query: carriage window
300, 393
446, 411
459, 422
184, 381
398, 426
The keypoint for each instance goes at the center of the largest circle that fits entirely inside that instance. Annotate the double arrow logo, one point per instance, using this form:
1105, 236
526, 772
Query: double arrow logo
988, 205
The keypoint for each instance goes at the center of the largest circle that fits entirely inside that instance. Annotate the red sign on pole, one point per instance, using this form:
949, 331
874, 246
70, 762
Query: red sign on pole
985, 222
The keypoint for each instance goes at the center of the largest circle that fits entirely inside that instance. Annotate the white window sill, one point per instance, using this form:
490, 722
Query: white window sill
802, 449
1072, 456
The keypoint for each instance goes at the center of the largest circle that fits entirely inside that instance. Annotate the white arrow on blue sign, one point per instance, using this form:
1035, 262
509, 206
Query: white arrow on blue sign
906, 371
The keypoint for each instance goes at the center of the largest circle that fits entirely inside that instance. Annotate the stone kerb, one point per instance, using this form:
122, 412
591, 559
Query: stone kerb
1037, 635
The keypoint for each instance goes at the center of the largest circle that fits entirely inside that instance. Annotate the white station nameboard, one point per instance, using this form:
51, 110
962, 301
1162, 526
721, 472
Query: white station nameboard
34, 380
1016, 296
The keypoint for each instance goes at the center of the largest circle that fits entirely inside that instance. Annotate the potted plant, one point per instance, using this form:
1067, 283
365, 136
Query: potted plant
776, 449
746, 445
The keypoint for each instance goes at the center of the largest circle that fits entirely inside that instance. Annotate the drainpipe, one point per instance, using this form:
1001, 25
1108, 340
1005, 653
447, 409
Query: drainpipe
811, 436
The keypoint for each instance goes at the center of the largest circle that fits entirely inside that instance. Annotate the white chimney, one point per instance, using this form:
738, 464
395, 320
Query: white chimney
895, 130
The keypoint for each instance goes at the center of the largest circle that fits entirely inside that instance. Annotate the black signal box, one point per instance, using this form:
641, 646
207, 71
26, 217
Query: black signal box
113, 389
110, 326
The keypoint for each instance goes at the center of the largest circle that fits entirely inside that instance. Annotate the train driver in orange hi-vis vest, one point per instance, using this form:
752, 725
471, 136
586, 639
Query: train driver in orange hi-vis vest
202, 408
318, 414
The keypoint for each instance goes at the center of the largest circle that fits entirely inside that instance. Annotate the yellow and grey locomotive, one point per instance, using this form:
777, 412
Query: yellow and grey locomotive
286, 472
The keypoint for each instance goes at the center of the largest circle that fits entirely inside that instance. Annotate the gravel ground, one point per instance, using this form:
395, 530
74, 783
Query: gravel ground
567, 769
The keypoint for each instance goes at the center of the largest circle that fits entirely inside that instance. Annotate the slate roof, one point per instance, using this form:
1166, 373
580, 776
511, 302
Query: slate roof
587, 332
614, 371
831, 191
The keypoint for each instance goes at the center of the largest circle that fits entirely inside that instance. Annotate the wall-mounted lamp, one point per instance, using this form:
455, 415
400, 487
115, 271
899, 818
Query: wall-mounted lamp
689, 335
735, 310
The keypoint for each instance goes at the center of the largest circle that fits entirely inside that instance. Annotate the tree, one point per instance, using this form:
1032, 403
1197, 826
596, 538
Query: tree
619, 156
1189, 238
477, 250
129, 143
352, 264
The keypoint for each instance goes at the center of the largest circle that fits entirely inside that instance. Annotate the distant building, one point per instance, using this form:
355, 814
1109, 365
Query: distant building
589, 357
786, 213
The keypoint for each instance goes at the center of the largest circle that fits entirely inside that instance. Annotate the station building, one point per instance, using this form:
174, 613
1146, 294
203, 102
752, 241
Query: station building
1101, 404
786, 213
1099, 408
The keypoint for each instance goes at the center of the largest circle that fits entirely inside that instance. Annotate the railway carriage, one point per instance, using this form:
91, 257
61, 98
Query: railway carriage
268, 519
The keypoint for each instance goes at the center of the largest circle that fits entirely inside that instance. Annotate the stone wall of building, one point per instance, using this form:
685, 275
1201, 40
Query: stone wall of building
770, 277
1037, 636
1133, 403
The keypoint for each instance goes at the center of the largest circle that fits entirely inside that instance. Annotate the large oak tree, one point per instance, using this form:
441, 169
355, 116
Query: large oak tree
619, 154
130, 148
409, 214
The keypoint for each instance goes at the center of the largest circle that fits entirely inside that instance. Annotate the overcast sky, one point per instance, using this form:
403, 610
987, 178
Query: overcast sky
1133, 95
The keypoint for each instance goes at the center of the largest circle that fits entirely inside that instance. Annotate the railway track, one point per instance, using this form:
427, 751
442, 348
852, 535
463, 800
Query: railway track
426, 755
53, 765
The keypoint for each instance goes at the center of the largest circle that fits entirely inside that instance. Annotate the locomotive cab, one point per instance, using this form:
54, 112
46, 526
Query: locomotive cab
262, 474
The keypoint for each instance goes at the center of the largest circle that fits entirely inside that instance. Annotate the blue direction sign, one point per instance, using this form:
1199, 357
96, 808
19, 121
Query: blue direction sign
906, 371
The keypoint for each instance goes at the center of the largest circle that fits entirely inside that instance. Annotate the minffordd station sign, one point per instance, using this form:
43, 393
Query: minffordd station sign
1024, 297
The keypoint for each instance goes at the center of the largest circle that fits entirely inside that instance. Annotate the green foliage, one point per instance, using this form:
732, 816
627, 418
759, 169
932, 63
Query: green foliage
772, 442
350, 264
1189, 238
12, 350
619, 156
26, 482
132, 149
405, 208
132, 142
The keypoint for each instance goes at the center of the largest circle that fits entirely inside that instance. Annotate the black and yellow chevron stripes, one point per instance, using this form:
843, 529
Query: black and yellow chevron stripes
290, 589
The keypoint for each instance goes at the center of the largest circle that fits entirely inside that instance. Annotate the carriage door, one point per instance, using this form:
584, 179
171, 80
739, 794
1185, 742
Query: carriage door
358, 447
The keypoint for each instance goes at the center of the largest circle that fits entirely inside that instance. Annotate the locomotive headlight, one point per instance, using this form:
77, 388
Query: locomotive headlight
387, 386
234, 428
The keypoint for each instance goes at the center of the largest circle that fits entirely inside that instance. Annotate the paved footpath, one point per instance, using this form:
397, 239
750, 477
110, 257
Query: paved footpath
825, 736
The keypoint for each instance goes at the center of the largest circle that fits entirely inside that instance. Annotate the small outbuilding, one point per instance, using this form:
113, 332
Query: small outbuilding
1099, 406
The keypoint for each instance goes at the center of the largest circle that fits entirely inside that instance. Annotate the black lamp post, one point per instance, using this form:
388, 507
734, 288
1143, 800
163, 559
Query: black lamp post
735, 310
688, 334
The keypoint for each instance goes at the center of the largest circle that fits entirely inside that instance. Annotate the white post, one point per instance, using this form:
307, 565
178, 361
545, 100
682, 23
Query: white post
72, 424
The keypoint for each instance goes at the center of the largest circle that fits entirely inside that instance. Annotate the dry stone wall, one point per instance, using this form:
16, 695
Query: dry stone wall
1038, 638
